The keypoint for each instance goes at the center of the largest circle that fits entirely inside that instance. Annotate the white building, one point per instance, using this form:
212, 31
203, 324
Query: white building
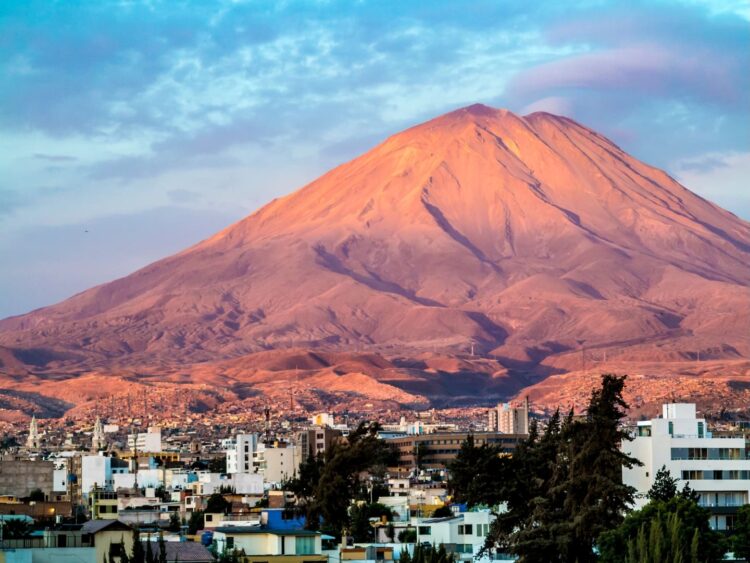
240, 453
322, 419
239, 483
98, 471
718, 469
146, 442
463, 534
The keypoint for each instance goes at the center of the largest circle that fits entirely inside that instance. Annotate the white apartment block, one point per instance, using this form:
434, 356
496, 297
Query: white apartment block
463, 534
716, 468
240, 453
97, 471
146, 442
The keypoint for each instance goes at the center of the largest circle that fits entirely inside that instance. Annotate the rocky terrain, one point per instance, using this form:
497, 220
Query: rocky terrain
459, 260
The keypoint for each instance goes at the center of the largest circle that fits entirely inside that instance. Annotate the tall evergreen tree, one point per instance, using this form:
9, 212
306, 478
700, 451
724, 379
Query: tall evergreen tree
741, 533
137, 554
677, 520
149, 551
477, 474
664, 487
162, 549
564, 485
338, 477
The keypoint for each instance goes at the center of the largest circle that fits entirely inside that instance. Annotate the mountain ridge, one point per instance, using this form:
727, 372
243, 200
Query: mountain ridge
524, 238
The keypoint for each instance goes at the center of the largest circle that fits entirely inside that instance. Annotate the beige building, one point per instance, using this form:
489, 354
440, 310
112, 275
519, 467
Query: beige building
508, 419
272, 546
279, 461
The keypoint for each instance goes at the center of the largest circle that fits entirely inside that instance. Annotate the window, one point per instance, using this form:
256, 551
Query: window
464, 529
209, 517
700, 430
304, 545
671, 427
483, 530
425, 530
230, 542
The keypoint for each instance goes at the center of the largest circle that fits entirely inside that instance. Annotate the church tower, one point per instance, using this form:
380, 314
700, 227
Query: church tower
33, 442
98, 439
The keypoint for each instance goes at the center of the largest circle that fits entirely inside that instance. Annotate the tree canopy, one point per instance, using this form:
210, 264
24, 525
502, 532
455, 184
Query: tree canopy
665, 529
326, 486
563, 485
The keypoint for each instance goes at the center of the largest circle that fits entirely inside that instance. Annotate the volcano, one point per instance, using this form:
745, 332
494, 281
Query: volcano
524, 239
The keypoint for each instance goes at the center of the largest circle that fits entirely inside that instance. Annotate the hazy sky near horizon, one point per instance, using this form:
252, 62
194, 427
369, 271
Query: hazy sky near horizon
132, 129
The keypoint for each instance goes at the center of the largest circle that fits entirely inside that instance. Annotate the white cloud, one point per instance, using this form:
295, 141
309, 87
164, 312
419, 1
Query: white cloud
719, 177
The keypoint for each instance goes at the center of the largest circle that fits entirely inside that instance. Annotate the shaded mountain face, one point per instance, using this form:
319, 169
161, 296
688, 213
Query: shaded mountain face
527, 238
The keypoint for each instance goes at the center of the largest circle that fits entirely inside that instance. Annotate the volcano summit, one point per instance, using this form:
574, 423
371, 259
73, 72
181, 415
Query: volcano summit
522, 238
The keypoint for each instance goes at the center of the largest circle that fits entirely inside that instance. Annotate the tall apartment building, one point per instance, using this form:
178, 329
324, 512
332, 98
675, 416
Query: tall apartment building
314, 441
240, 453
508, 419
718, 469
142, 442
278, 461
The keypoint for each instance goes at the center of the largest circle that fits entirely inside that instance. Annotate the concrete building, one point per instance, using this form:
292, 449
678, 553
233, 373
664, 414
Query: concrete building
103, 504
93, 542
146, 442
278, 461
315, 441
718, 469
463, 534
271, 546
436, 450
322, 419
240, 453
98, 471
19, 477
508, 419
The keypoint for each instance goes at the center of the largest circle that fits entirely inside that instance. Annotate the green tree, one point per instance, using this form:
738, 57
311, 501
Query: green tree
741, 533
360, 515
15, 529
149, 552
174, 522
137, 553
428, 554
443, 512
330, 484
308, 476
676, 526
477, 474
664, 487
218, 504
409, 535
563, 486
390, 532
195, 522
218, 465
162, 549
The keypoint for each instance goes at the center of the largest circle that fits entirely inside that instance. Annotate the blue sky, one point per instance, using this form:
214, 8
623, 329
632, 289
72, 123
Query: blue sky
129, 130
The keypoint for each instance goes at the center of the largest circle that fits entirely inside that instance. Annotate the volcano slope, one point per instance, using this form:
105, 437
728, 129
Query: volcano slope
523, 239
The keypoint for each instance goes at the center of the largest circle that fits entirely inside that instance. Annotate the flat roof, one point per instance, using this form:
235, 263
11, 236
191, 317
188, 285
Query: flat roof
260, 530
